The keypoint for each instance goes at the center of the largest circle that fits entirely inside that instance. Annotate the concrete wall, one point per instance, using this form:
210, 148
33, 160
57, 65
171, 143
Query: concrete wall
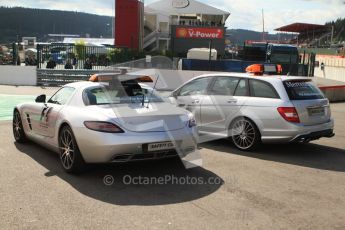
169, 80
334, 68
18, 75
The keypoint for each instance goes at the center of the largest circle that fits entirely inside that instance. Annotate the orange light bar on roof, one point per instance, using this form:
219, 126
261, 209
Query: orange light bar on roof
144, 79
260, 69
94, 78
99, 78
279, 69
256, 69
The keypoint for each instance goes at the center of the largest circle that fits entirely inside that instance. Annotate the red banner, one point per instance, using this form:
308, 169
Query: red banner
206, 33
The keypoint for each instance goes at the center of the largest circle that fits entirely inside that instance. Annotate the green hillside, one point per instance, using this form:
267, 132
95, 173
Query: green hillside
39, 22
339, 29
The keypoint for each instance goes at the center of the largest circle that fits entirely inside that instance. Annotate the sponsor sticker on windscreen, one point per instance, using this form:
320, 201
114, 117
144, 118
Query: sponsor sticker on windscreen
302, 90
160, 146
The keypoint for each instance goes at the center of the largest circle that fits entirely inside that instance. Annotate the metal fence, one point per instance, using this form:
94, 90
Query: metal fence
59, 77
52, 77
80, 56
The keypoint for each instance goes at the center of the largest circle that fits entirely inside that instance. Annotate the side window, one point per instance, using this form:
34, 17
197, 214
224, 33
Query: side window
62, 96
242, 88
262, 89
98, 96
224, 86
196, 87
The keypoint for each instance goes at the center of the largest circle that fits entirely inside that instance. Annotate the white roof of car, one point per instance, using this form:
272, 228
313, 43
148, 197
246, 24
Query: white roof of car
80, 84
251, 76
86, 84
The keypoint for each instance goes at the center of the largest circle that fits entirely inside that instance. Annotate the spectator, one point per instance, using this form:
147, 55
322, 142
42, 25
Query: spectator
32, 61
68, 65
51, 64
75, 61
87, 64
18, 60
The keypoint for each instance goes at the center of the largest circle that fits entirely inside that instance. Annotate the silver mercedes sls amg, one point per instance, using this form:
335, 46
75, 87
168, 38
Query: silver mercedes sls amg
112, 118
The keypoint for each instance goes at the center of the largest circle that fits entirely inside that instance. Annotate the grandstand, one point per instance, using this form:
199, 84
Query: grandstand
309, 35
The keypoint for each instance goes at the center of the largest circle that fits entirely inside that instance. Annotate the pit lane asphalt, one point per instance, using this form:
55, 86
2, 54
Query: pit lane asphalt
276, 187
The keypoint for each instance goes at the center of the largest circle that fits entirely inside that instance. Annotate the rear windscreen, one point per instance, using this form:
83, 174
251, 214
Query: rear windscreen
302, 90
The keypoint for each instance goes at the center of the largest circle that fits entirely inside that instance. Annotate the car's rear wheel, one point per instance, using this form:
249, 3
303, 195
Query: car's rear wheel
18, 131
244, 134
70, 156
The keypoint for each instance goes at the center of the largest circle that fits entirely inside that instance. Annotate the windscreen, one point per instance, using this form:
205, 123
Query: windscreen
302, 90
120, 92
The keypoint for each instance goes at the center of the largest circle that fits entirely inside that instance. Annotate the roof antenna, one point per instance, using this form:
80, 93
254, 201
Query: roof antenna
154, 87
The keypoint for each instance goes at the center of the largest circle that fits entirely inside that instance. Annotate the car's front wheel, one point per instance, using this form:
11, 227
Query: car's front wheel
244, 134
18, 130
70, 156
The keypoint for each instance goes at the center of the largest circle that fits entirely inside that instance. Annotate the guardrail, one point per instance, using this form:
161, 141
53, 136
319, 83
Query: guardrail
50, 77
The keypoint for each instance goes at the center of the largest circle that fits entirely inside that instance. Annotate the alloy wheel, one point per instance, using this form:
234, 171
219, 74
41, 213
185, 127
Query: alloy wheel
243, 134
67, 149
17, 126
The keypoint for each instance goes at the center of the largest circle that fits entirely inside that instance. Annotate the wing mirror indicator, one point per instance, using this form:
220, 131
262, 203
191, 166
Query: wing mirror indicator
192, 122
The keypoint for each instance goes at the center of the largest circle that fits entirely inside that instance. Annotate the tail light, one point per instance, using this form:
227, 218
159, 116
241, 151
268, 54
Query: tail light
289, 114
102, 126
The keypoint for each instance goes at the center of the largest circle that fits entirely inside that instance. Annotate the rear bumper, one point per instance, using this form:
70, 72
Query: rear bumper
299, 133
315, 135
97, 147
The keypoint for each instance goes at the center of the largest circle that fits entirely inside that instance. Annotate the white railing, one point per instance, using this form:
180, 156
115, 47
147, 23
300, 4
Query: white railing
150, 38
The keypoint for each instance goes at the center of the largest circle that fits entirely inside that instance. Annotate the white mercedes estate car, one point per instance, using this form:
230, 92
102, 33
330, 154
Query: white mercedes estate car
252, 109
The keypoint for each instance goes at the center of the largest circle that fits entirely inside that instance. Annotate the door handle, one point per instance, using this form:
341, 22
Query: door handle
232, 101
181, 105
197, 101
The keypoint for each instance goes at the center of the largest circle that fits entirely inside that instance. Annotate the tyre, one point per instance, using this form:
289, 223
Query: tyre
18, 131
244, 134
70, 156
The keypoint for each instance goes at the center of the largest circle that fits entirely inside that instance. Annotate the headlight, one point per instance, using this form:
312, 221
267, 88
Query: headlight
102, 126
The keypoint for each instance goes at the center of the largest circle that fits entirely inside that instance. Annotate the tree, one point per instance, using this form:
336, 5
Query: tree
80, 50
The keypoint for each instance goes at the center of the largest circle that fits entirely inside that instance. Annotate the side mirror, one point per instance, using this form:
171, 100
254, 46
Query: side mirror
41, 99
174, 94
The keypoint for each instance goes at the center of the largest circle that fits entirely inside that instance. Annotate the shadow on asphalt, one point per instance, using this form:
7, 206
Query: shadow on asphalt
90, 183
306, 155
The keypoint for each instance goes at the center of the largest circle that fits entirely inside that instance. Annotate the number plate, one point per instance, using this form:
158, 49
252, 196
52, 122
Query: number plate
160, 146
320, 111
